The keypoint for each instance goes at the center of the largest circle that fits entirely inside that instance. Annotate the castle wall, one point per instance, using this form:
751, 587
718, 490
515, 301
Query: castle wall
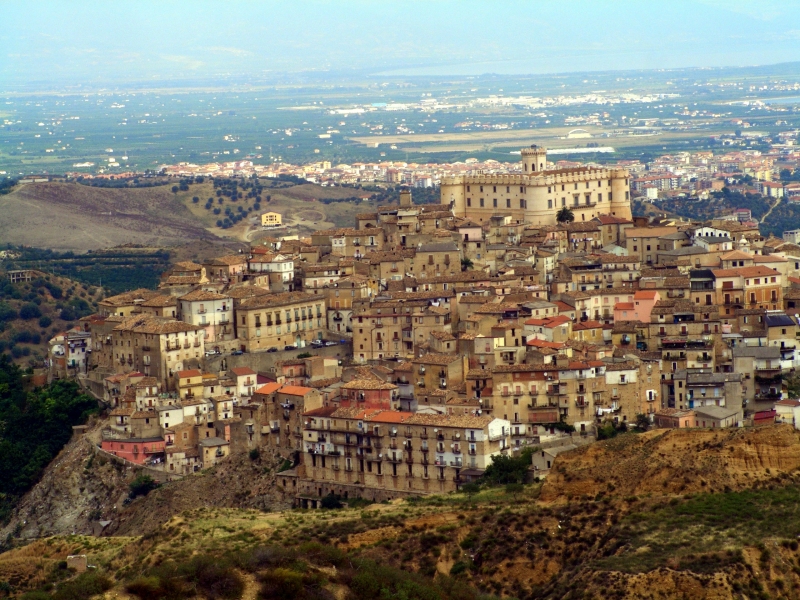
587, 192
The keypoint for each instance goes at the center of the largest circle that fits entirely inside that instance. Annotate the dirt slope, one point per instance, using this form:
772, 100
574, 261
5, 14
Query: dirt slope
667, 462
81, 487
70, 216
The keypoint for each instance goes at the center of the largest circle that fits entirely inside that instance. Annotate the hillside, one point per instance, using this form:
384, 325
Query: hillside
70, 216
31, 313
81, 487
74, 217
678, 514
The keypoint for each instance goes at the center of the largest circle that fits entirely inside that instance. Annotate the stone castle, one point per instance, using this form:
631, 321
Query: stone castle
536, 195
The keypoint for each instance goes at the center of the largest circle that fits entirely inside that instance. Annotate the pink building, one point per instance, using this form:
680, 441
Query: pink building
135, 450
639, 309
370, 393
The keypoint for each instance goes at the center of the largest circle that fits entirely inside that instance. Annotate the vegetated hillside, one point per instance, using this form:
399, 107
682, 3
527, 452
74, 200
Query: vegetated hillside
592, 536
719, 204
34, 426
71, 216
32, 312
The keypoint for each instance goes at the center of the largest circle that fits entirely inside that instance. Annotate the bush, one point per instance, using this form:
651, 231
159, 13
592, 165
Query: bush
45, 321
83, 586
141, 486
29, 311
331, 501
6, 312
458, 568
254, 454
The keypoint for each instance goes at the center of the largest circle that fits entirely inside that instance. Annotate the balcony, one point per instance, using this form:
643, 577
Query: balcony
395, 459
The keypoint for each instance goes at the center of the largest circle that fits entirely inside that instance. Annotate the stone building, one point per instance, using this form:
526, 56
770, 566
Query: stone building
537, 194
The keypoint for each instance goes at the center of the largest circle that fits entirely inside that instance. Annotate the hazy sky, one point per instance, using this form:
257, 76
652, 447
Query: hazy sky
78, 41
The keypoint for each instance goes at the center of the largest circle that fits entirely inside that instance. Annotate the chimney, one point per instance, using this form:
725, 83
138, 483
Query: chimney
405, 199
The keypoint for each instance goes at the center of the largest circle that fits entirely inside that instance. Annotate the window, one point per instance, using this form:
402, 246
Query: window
494, 202
508, 202
549, 204
481, 202
469, 201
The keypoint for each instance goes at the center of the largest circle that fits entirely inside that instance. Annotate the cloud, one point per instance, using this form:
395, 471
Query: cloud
229, 50
186, 62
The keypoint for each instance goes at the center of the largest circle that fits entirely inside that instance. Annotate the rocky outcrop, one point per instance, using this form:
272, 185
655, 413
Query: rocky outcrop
83, 492
670, 462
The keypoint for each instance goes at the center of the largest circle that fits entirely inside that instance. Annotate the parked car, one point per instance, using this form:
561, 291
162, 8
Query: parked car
329, 343
237, 352
273, 349
290, 347
317, 343
343, 341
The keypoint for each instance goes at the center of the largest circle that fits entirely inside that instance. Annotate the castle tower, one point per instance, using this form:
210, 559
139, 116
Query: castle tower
405, 199
534, 160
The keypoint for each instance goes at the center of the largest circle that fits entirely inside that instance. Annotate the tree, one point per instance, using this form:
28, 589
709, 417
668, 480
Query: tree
514, 489
141, 486
470, 489
565, 215
508, 469
29, 311
195, 199
174, 189
643, 422
466, 264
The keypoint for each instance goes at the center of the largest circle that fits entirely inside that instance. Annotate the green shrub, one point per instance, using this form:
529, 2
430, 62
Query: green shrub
141, 486
458, 568
254, 454
83, 586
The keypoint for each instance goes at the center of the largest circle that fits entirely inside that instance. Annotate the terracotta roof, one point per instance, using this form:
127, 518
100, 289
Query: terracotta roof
757, 271
282, 299
189, 373
269, 388
230, 260
295, 390
437, 359
201, 295
239, 371
368, 384
645, 295
160, 301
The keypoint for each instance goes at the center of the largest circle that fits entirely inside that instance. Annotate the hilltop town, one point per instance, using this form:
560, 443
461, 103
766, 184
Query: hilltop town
398, 356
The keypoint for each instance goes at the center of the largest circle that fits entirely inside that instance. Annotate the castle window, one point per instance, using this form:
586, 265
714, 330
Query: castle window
469, 201
494, 189
467, 188
494, 202
481, 188
549, 204
481, 202
521, 190
610, 196
548, 189
562, 187
522, 204
563, 201
576, 186
508, 202
508, 189
587, 185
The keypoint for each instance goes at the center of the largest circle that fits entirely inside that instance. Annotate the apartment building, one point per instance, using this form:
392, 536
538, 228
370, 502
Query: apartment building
381, 454
279, 320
